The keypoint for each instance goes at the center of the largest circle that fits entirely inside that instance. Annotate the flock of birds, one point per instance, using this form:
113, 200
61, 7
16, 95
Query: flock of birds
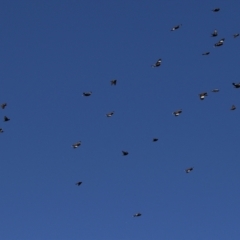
175, 113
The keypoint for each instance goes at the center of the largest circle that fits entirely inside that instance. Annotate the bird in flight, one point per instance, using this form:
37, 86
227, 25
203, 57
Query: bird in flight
113, 82
188, 170
176, 27
6, 119
3, 105
77, 144
216, 9
236, 35
177, 113
155, 139
110, 114
233, 107
206, 53
219, 43
215, 90
215, 33
202, 95
78, 183
236, 85
1, 130
125, 153
137, 215
87, 94
158, 63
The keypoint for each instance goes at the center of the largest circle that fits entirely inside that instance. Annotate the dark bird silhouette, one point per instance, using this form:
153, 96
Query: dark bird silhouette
137, 215
87, 94
188, 170
215, 90
215, 33
233, 107
110, 114
78, 183
202, 95
3, 105
1, 130
236, 85
176, 27
114, 82
158, 63
236, 35
177, 113
155, 139
77, 144
219, 43
206, 53
125, 153
6, 119
216, 10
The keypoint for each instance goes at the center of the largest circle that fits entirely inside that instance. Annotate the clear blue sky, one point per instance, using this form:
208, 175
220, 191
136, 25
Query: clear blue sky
53, 51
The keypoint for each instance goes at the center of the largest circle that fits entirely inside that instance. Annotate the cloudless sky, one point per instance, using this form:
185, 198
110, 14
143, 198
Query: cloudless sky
52, 52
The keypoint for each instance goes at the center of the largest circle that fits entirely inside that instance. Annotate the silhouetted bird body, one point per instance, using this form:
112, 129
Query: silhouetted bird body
125, 153
215, 90
87, 94
233, 107
206, 53
215, 33
158, 63
114, 82
176, 27
3, 105
110, 114
236, 35
76, 145
188, 170
177, 113
155, 139
137, 215
219, 43
202, 95
78, 183
236, 85
216, 10
1, 130
6, 119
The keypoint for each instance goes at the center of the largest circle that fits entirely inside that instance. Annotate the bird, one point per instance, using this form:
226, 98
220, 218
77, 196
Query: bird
3, 105
78, 183
219, 43
188, 170
176, 27
177, 113
6, 119
215, 33
233, 107
235, 35
216, 9
110, 114
76, 145
158, 63
155, 139
125, 153
113, 82
215, 90
87, 94
206, 53
236, 85
137, 215
1, 130
202, 95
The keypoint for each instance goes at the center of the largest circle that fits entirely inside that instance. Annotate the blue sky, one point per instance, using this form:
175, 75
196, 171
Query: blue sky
52, 52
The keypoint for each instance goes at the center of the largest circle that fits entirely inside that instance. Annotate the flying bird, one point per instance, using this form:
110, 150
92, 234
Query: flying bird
137, 215
78, 183
236, 35
215, 33
215, 90
87, 94
219, 43
176, 27
158, 63
206, 53
3, 105
125, 153
113, 82
233, 107
77, 144
1, 130
177, 113
110, 114
188, 170
6, 119
216, 9
155, 139
202, 95
236, 85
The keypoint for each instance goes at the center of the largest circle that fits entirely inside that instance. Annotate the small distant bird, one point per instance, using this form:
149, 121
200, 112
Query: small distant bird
110, 114
215, 90
113, 82
216, 10
177, 113
176, 27
87, 94
76, 145
188, 170
155, 139
124, 153
219, 43
202, 95
215, 33
78, 183
158, 63
6, 119
206, 53
233, 107
236, 85
3, 105
137, 215
236, 35
1, 130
